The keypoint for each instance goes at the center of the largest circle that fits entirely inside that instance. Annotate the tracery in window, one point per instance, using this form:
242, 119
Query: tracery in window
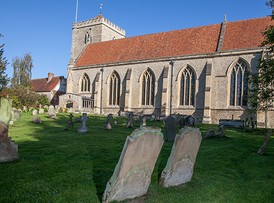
148, 88
239, 84
114, 89
85, 83
187, 91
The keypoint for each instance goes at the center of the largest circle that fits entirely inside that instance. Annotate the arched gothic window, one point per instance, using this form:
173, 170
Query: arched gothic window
239, 84
114, 89
148, 88
85, 83
187, 93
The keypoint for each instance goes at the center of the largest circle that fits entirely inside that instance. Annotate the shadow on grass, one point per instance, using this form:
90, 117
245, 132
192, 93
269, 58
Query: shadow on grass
58, 165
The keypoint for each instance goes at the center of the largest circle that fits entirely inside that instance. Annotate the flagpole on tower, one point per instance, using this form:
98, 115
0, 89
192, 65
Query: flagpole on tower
101, 7
76, 13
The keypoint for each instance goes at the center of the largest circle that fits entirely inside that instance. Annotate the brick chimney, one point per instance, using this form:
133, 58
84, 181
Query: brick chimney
50, 76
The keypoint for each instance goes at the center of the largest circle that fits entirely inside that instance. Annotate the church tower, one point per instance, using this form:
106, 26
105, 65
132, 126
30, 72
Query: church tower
95, 30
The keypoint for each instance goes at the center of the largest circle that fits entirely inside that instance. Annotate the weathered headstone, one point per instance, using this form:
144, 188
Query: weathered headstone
170, 126
25, 109
34, 112
182, 121
132, 174
17, 115
83, 128
212, 134
108, 122
37, 120
130, 120
8, 150
180, 164
51, 112
70, 121
190, 121
41, 111
143, 121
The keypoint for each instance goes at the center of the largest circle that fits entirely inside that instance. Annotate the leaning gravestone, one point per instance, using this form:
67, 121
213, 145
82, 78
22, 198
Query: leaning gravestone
132, 174
170, 126
180, 164
8, 150
83, 128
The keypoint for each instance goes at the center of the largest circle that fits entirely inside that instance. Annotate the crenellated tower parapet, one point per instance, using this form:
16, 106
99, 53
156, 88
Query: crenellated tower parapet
95, 30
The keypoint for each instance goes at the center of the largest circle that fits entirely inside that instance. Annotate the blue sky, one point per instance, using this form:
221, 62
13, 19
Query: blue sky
43, 27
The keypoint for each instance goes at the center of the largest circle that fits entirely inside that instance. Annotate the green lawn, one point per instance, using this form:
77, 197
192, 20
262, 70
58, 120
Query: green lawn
58, 165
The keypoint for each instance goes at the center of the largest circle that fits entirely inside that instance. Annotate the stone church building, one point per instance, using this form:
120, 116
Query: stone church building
201, 71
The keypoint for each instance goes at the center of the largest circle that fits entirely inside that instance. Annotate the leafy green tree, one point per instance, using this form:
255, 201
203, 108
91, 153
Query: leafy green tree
22, 71
43, 100
3, 66
262, 88
22, 96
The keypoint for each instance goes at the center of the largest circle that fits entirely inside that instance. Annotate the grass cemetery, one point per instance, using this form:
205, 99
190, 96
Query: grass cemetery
58, 163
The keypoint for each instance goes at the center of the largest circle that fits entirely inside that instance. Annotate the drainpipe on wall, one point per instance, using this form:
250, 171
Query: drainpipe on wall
171, 63
101, 93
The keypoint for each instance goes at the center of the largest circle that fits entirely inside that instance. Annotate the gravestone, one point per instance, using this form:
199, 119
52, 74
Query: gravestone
17, 115
182, 121
132, 174
170, 126
143, 121
25, 109
37, 120
83, 128
231, 123
8, 149
180, 164
130, 120
212, 134
108, 122
70, 121
51, 112
12, 118
190, 121
41, 111
34, 112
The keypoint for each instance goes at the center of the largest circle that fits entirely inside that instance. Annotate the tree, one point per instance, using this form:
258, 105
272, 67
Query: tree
262, 88
3, 66
22, 69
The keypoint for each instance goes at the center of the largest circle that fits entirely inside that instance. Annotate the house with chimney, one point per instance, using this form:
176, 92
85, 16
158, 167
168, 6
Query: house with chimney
52, 86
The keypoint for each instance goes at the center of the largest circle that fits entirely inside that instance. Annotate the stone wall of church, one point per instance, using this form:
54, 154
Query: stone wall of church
131, 88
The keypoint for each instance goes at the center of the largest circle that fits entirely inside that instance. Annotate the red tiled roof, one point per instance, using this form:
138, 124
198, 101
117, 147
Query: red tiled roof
200, 40
42, 84
246, 34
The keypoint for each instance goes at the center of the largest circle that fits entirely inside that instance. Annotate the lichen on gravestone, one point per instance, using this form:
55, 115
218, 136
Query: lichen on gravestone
5, 110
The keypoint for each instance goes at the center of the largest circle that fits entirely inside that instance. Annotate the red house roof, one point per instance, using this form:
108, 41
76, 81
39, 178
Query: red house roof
44, 84
238, 35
